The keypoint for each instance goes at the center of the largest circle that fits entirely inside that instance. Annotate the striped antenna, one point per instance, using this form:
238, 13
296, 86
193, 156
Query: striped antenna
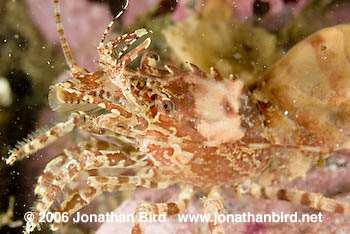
74, 68
111, 24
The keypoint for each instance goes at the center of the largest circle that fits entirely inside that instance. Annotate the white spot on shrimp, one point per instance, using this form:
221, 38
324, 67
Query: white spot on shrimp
217, 105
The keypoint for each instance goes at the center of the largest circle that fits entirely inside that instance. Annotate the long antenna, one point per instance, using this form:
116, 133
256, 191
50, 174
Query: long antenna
111, 23
74, 68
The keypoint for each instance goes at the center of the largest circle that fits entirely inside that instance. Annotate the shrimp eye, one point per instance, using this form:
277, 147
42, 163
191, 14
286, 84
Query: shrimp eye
166, 106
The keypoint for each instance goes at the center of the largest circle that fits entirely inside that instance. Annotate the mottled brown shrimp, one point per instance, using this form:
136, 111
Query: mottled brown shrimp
199, 130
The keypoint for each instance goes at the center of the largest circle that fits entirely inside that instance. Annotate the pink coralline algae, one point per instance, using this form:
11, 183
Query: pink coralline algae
84, 23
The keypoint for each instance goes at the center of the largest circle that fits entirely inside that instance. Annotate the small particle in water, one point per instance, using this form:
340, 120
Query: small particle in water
237, 56
260, 8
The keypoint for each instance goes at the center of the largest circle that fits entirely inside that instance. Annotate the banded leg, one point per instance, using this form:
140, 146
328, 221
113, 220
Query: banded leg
111, 54
42, 138
99, 184
49, 173
109, 182
169, 209
51, 191
134, 53
313, 200
88, 160
213, 205
48, 179
53, 170
118, 67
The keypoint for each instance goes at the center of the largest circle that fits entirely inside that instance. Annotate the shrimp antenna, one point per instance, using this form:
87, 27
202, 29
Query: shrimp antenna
112, 22
74, 68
